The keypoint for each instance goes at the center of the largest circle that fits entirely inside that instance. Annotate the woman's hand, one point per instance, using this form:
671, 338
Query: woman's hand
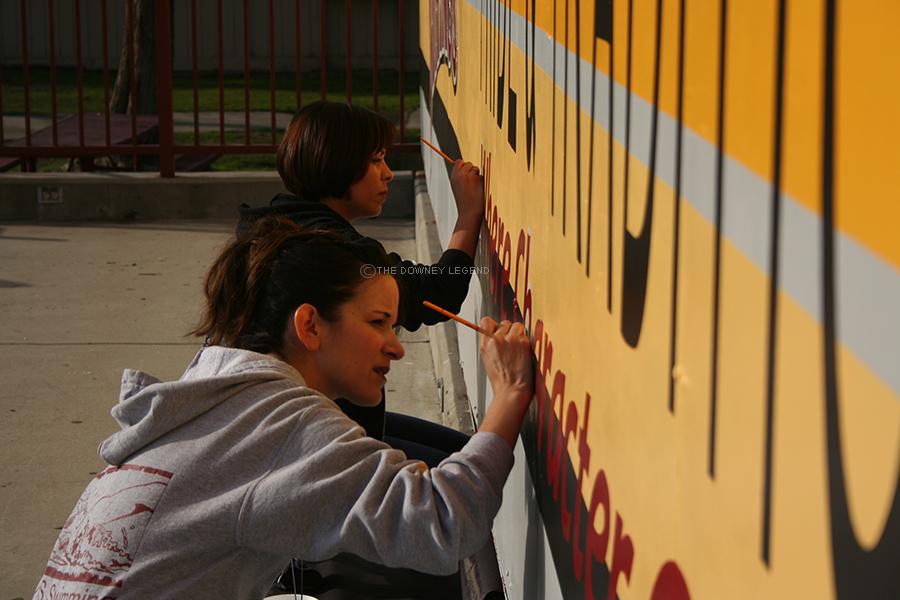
468, 190
506, 354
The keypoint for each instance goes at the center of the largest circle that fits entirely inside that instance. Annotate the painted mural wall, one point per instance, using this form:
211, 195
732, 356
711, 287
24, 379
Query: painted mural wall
691, 204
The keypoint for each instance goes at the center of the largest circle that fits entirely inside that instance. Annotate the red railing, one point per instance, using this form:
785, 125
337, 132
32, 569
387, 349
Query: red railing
88, 135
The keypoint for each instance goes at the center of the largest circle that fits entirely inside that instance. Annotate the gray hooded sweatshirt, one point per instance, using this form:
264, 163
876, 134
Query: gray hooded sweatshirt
217, 479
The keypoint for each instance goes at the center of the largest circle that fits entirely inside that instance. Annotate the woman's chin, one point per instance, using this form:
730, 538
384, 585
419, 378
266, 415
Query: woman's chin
366, 402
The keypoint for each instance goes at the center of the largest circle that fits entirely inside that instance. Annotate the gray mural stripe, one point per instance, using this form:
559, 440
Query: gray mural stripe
868, 287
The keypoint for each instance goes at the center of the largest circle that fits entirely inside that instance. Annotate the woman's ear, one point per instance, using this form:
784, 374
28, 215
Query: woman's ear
306, 328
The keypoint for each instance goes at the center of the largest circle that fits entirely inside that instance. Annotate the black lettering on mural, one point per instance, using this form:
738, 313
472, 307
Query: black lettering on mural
774, 261
578, 128
857, 571
503, 63
481, 58
442, 128
603, 22
717, 268
511, 128
499, 96
676, 225
609, 164
553, 123
636, 250
530, 130
602, 30
494, 45
565, 107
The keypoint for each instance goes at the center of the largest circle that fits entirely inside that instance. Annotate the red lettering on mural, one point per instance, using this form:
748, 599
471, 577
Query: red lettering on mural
557, 433
523, 249
584, 463
597, 542
571, 429
506, 265
555, 465
622, 558
670, 584
541, 348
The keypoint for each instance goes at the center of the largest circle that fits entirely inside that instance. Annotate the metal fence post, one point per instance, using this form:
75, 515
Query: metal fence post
164, 83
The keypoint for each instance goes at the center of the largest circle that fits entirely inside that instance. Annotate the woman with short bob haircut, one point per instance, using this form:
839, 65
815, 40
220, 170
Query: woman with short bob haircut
332, 161
327, 148
217, 479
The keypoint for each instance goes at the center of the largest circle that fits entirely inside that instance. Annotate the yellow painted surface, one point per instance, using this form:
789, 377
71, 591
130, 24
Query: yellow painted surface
867, 156
867, 53
657, 462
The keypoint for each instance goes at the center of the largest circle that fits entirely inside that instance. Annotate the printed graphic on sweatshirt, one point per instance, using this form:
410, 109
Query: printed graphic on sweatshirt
98, 543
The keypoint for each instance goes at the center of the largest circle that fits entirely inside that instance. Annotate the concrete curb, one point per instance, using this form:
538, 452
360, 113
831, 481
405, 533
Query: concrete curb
455, 410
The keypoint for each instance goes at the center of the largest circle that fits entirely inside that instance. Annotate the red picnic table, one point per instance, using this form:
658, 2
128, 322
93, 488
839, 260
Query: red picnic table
94, 134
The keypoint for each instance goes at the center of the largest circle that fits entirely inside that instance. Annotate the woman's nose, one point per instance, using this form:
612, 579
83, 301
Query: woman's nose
388, 175
394, 348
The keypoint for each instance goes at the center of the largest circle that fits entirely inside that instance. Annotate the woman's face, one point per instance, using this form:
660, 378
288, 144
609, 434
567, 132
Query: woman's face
357, 349
366, 197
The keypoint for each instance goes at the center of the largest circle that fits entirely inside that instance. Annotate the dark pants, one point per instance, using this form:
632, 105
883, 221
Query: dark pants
419, 439
422, 440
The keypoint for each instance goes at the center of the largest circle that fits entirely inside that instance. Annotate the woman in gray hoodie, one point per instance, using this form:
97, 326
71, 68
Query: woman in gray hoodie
216, 480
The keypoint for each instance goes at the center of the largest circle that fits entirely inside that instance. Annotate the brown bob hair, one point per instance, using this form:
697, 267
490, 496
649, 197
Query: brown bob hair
267, 271
327, 147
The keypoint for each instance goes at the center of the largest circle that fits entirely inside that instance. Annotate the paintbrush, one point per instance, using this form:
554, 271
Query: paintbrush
456, 318
447, 158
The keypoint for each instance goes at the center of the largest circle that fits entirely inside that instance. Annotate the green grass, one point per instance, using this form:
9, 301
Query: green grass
182, 91
13, 98
249, 162
226, 162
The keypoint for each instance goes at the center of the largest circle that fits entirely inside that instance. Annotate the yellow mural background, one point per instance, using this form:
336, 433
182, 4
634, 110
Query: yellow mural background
656, 461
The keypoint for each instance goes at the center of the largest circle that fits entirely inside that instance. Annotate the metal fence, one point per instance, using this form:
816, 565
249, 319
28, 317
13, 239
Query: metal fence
85, 135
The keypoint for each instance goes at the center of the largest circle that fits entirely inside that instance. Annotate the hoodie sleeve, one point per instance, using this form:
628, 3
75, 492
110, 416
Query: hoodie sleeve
334, 490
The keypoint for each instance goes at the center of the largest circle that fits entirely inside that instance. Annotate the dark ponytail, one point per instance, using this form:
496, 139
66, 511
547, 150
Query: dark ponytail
267, 271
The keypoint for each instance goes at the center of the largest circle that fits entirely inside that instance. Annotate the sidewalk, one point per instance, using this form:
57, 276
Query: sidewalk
79, 304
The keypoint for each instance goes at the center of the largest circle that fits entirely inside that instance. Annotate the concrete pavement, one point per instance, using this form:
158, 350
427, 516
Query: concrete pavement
80, 302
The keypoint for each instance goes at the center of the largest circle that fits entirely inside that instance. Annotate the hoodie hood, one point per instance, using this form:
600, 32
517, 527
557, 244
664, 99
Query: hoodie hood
309, 213
149, 408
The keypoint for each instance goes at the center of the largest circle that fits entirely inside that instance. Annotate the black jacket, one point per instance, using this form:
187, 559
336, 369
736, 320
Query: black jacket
445, 283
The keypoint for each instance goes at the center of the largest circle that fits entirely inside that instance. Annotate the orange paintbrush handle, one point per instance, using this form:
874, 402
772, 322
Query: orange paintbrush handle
447, 158
456, 318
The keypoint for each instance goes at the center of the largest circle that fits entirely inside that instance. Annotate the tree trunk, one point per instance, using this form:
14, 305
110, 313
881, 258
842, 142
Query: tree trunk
139, 43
